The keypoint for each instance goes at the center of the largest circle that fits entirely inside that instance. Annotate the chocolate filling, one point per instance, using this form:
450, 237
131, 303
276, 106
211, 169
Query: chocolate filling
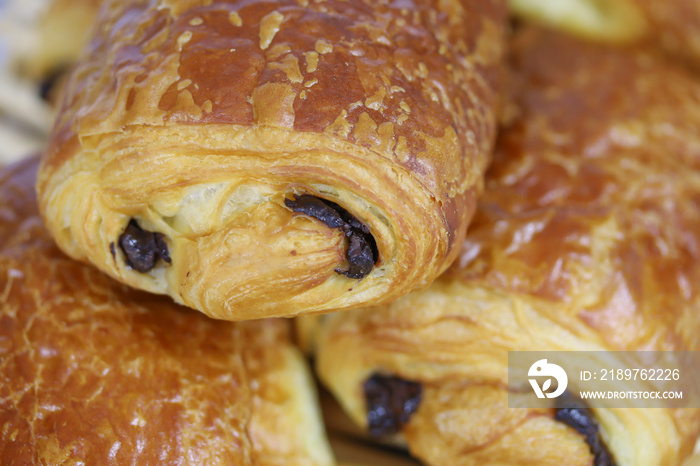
576, 414
362, 253
390, 403
143, 248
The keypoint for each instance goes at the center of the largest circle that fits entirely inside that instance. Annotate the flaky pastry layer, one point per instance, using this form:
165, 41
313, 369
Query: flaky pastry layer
93, 372
201, 121
586, 239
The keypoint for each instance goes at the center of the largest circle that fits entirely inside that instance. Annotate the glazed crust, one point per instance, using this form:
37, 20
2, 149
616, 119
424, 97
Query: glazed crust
586, 238
199, 119
95, 372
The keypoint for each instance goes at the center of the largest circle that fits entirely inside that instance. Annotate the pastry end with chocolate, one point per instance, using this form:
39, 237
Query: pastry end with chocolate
143, 249
362, 253
390, 401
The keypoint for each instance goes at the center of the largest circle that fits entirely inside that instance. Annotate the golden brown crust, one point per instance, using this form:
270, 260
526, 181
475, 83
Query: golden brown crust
595, 193
93, 371
387, 110
586, 238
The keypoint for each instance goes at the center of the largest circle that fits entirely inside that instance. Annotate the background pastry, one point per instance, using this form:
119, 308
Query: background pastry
39, 40
615, 21
673, 25
45, 36
676, 26
586, 238
93, 371
256, 159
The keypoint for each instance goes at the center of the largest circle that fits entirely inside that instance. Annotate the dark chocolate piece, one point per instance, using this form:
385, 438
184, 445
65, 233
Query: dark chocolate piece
390, 403
143, 248
575, 413
316, 208
362, 253
352, 222
360, 258
112, 251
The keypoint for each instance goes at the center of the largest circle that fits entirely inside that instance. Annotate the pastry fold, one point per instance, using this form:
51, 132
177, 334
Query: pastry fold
93, 372
275, 158
587, 238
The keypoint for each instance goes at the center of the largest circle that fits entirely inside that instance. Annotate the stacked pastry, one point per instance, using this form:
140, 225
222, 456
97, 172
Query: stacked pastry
95, 373
248, 159
342, 142
585, 239
264, 159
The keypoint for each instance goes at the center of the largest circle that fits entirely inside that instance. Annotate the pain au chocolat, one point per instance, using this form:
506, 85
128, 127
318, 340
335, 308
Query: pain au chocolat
256, 159
93, 372
587, 238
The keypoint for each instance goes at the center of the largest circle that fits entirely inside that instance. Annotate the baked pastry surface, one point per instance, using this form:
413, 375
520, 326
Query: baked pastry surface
94, 372
199, 126
586, 238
